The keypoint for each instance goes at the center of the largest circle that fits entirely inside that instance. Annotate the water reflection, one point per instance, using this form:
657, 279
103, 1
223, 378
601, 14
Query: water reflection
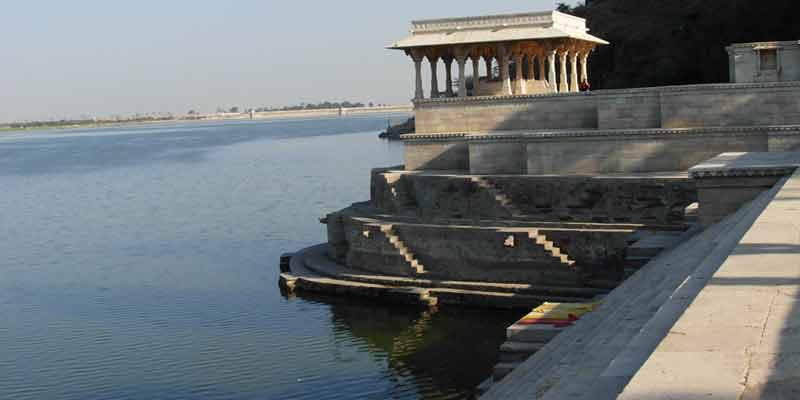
432, 354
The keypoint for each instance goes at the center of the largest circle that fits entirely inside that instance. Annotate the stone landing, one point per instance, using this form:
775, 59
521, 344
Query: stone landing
714, 318
738, 335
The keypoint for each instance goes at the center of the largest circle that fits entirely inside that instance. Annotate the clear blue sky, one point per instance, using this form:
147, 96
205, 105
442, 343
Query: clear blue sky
92, 57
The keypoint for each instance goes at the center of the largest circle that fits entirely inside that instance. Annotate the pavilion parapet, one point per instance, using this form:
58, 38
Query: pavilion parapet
539, 44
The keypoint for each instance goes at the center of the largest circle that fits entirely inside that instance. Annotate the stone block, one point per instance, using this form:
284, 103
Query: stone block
446, 155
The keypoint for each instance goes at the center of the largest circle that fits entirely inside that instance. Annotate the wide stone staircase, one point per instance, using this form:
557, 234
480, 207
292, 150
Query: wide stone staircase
596, 358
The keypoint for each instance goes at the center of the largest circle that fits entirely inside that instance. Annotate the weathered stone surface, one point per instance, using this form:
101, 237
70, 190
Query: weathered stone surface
743, 324
729, 180
569, 152
594, 358
745, 62
573, 257
437, 156
762, 104
638, 200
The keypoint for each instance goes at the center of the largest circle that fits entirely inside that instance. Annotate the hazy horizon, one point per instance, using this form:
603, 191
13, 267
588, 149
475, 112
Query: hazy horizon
89, 58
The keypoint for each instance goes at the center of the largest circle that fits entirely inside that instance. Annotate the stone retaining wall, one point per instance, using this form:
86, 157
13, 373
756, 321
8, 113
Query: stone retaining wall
658, 107
474, 253
594, 151
654, 201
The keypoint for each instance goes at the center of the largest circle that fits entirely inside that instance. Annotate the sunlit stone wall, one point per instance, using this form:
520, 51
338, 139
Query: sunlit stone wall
663, 107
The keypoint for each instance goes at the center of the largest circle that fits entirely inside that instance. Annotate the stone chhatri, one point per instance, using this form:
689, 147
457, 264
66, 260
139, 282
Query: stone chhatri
532, 40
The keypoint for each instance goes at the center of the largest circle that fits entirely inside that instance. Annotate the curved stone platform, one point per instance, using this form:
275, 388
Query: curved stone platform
312, 271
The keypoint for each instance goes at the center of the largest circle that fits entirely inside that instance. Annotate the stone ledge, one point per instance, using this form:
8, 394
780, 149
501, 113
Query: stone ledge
747, 165
613, 92
432, 136
519, 136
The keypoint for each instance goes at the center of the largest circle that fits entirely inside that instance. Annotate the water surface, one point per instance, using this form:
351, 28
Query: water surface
140, 263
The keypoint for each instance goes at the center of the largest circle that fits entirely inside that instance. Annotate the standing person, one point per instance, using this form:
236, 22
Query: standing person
584, 86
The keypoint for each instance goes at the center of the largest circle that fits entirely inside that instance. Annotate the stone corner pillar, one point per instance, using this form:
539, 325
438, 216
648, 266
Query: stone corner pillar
573, 78
519, 86
418, 93
563, 84
434, 61
502, 56
551, 59
448, 73
489, 61
542, 69
476, 75
531, 64
462, 75
585, 67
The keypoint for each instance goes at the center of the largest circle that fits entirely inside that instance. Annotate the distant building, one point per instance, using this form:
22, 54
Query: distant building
764, 62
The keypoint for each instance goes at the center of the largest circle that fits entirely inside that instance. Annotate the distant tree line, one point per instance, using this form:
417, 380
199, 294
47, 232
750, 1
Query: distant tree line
325, 105
85, 121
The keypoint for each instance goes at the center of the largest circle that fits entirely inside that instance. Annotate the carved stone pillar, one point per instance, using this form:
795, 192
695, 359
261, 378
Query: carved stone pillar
542, 70
434, 61
573, 78
563, 85
488, 60
585, 67
448, 72
519, 84
502, 56
531, 64
418, 93
476, 75
551, 59
462, 75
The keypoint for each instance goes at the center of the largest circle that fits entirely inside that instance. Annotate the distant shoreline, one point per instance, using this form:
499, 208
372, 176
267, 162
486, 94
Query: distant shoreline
245, 116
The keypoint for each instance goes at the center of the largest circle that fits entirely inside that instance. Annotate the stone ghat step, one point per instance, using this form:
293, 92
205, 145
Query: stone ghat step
501, 370
522, 227
573, 363
302, 278
316, 260
647, 246
517, 221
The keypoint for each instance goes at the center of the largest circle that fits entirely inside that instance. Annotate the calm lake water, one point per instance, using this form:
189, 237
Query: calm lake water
141, 263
